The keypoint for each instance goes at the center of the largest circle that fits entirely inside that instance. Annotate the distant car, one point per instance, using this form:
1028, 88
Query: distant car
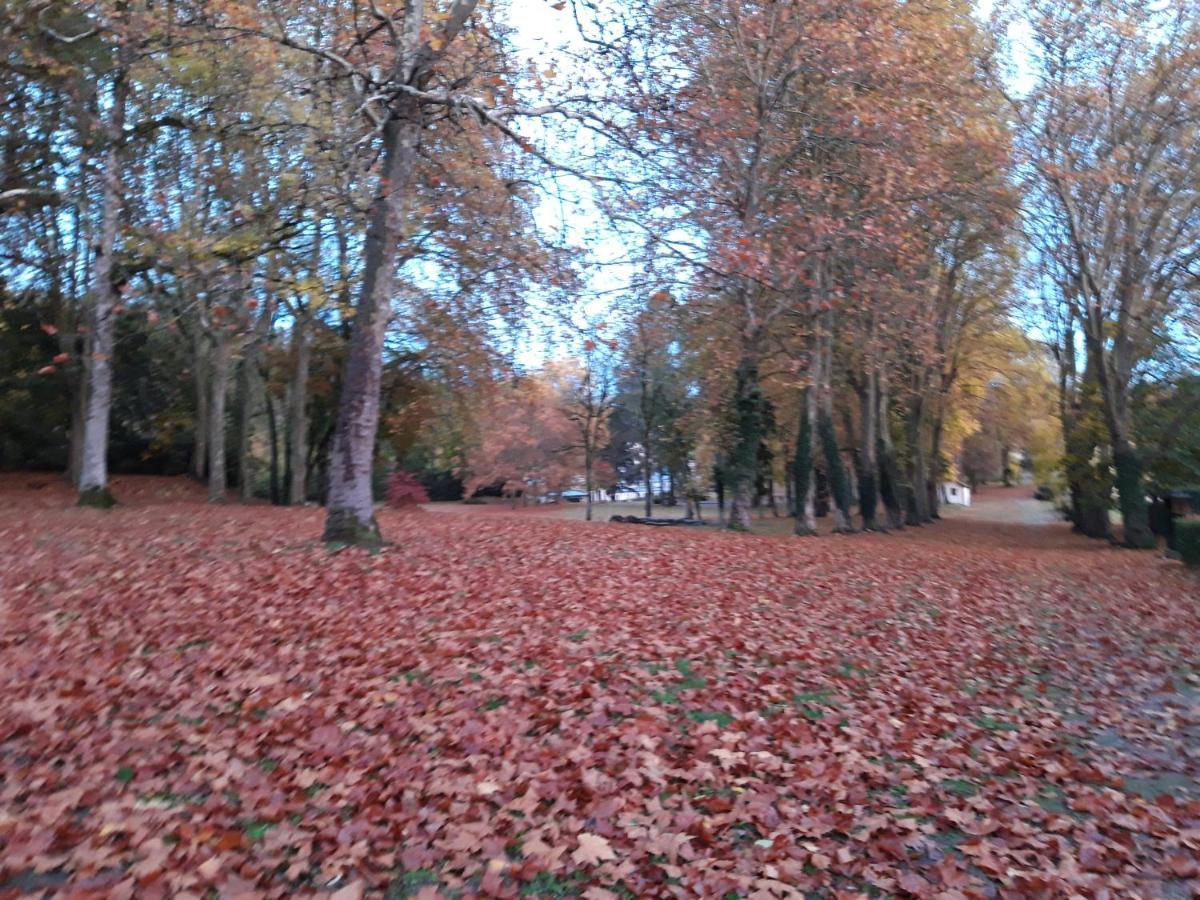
1043, 492
574, 496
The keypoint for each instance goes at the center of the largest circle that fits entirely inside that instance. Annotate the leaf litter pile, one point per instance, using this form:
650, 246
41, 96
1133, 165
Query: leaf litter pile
204, 702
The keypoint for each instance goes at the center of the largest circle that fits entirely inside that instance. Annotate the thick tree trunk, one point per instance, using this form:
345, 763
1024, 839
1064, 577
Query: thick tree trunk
1131, 495
934, 471
350, 517
217, 476
916, 495
1089, 480
1113, 383
802, 466
93, 473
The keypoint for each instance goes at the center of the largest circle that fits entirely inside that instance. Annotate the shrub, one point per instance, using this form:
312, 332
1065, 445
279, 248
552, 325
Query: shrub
1187, 540
404, 490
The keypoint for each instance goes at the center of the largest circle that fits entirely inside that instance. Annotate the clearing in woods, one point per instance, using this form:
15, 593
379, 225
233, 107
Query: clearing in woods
203, 698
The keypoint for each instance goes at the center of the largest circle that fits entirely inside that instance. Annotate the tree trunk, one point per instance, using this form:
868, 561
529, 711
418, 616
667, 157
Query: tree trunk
839, 486
802, 466
93, 473
588, 465
647, 475
350, 517
217, 476
889, 467
1131, 495
200, 384
251, 386
868, 493
273, 435
934, 470
1131, 491
245, 421
916, 494
789, 496
296, 416
1090, 482
748, 428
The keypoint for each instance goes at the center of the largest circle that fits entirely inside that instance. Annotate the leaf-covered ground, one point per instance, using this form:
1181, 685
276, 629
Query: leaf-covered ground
202, 701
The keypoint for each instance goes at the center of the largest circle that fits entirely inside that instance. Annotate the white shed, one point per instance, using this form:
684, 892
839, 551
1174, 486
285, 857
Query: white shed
956, 493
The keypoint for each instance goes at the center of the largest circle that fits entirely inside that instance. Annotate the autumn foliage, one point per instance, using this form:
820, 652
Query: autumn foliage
404, 490
193, 700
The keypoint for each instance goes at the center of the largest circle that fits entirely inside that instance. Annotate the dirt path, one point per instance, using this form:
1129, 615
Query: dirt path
1013, 506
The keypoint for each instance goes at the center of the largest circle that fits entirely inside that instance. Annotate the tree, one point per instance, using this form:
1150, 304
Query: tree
586, 389
1108, 132
528, 443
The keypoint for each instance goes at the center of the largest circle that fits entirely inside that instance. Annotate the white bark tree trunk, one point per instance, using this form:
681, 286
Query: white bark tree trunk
93, 472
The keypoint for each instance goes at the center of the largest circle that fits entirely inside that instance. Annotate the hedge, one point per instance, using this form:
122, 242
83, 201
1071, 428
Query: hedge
1187, 540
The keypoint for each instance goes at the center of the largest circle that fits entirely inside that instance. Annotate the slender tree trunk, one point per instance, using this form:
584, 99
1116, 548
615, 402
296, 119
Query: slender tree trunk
296, 418
868, 492
93, 475
245, 422
839, 485
588, 465
251, 386
748, 427
273, 434
934, 472
217, 474
200, 366
350, 517
647, 475
889, 468
802, 465
789, 496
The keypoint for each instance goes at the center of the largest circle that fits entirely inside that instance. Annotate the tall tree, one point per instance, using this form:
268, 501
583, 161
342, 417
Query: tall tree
1108, 130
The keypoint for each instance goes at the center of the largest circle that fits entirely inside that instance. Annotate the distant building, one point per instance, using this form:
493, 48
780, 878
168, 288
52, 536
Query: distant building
956, 493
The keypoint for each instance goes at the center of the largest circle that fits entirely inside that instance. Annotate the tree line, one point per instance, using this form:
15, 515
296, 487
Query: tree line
873, 245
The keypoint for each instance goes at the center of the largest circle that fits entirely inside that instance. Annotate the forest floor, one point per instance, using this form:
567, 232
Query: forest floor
204, 701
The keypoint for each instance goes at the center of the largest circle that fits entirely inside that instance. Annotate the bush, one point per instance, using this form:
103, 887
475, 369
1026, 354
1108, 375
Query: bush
1187, 540
403, 490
